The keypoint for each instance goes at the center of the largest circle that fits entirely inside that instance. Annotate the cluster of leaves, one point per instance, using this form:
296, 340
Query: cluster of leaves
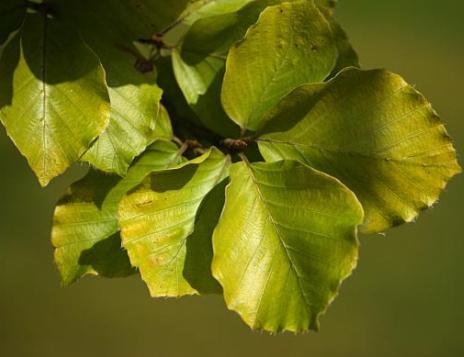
234, 146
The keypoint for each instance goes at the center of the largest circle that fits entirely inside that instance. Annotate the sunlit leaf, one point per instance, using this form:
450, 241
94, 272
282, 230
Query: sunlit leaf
200, 9
200, 63
53, 97
159, 218
375, 133
85, 226
285, 241
290, 45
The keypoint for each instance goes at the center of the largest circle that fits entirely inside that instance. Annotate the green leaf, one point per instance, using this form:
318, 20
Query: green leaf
85, 230
173, 98
285, 242
134, 95
200, 64
53, 97
201, 9
158, 221
290, 45
195, 81
376, 134
200, 79
198, 10
85, 234
12, 14
135, 114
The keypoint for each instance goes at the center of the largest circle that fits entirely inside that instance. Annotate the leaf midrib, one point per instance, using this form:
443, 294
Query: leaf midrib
278, 234
44, 93
356, 153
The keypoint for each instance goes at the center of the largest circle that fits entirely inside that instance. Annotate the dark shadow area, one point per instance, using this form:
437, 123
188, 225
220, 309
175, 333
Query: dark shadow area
108, 258
252, 153
8, 62
55, 52
292, 109
211, 113
181, 114
11, 14
215, 35
111, 28
93, 188
173, 180
197, 267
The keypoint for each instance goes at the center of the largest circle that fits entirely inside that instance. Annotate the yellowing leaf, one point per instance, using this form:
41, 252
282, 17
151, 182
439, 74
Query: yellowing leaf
285, 241
85, 230
376, 134
159, 219
53, 97
135, 111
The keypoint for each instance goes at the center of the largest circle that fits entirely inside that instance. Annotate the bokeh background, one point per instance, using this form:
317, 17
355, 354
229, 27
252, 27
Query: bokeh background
405, 299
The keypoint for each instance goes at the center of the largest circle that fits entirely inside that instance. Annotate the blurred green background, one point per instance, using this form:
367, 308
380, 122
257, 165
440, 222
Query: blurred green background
405, 299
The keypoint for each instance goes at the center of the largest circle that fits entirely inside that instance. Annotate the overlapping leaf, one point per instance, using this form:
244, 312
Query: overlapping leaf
167, 233
131, 77
53, 97
199, 66
85, 224
290, 45
281, 238
285, 241
376, 134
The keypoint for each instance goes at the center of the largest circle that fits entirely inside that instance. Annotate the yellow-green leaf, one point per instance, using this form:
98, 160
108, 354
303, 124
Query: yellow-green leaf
290, 45
200, 9
134, 95
285, 242
200, 78
53, 97
160, 223
376, 134
85, 230
200, 63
